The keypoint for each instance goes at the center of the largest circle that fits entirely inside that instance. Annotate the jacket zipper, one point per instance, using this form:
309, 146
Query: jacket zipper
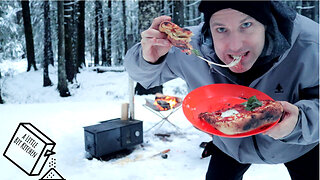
257, 148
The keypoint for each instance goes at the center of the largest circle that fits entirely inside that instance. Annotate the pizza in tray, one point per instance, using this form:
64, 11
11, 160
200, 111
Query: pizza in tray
179, 37
244, 117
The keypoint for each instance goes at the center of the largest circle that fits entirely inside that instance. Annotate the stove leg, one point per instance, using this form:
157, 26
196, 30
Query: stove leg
172, 124
155, 125
88, 156
164, 118
161, 124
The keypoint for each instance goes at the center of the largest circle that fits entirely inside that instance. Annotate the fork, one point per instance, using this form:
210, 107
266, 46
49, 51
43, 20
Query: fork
233, 63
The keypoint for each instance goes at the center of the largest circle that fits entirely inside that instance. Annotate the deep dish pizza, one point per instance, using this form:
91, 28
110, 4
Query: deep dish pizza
179, 37
244, 117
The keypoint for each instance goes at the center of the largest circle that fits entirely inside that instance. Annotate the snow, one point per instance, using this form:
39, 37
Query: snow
98, 97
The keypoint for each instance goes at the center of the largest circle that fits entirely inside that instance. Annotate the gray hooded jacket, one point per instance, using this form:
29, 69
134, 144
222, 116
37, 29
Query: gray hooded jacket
293, 77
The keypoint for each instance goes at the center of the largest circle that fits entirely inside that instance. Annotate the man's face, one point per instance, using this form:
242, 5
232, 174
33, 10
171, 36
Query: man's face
236, 34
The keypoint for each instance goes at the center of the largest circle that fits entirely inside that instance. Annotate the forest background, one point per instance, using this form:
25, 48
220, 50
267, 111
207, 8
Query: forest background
74, 34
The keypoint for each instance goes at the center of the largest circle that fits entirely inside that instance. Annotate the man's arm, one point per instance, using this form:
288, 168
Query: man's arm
146, 73
145, 62
300, 124
307, 128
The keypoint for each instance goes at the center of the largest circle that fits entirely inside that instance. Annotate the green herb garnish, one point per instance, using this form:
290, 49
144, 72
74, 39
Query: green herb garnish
195, 52
252, 103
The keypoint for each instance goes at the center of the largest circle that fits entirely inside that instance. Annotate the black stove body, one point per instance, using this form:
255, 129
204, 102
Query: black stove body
112, 135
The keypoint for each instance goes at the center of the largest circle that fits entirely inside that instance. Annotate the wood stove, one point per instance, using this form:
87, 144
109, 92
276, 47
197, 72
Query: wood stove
111, 136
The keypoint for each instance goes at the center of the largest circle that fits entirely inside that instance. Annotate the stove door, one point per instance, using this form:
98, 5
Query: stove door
131, 135
108, 142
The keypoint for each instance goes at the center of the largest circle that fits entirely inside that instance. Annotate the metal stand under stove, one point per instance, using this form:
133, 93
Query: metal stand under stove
163, 118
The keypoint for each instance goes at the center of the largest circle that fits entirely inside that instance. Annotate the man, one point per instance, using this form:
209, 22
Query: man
279, 52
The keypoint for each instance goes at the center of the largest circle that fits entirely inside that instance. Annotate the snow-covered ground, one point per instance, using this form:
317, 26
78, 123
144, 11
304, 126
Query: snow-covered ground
99, 98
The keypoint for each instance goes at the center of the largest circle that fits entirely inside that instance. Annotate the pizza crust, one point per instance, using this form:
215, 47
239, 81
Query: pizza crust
244, 121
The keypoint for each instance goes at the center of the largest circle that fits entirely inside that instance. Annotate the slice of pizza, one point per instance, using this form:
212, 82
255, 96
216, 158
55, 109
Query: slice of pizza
179, 37
244, 117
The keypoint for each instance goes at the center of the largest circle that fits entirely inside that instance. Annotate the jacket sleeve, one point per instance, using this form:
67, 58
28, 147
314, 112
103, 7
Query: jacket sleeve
147, 74
307, 128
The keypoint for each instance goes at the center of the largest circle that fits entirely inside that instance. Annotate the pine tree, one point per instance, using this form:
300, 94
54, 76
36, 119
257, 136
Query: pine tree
81, 35
96, 33
108, 47
1, 100
62, 79
69, 47
124, 21
47, 54
28, 35
103, 44
178, 13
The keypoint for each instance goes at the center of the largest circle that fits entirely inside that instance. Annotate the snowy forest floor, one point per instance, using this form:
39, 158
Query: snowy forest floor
98, 97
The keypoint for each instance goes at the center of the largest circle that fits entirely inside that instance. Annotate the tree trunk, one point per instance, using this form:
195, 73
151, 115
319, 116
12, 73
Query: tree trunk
81, 35
148, 10
50, 51
189, 13
167, 6
178, 13
62, 79
103, 44
47, 45
74, 38
316, 12
308, 8
96, 37
124, 21
108, 48
68, 40
297, 4
1, 100
28, 35
91, 43
197, 14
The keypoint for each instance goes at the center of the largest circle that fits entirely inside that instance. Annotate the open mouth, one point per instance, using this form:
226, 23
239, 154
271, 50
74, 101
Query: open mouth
237, 57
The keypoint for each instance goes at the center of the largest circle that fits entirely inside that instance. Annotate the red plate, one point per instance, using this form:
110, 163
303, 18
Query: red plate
217, 96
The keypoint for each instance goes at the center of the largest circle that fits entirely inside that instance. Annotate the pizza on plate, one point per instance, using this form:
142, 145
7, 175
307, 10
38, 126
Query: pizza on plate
244, 117
179, 37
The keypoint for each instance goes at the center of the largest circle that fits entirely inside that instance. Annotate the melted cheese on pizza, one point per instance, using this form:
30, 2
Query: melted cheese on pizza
229, 112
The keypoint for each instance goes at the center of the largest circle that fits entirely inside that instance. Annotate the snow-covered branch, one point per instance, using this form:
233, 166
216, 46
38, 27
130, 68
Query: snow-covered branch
306, 7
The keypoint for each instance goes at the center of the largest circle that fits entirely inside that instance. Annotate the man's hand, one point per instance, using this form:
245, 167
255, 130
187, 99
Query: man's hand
155, 43
288, 123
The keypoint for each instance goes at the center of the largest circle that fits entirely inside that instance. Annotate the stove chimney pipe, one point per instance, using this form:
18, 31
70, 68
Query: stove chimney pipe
131, 99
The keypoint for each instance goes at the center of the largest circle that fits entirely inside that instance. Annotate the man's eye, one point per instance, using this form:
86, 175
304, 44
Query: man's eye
221, 30
246, 25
